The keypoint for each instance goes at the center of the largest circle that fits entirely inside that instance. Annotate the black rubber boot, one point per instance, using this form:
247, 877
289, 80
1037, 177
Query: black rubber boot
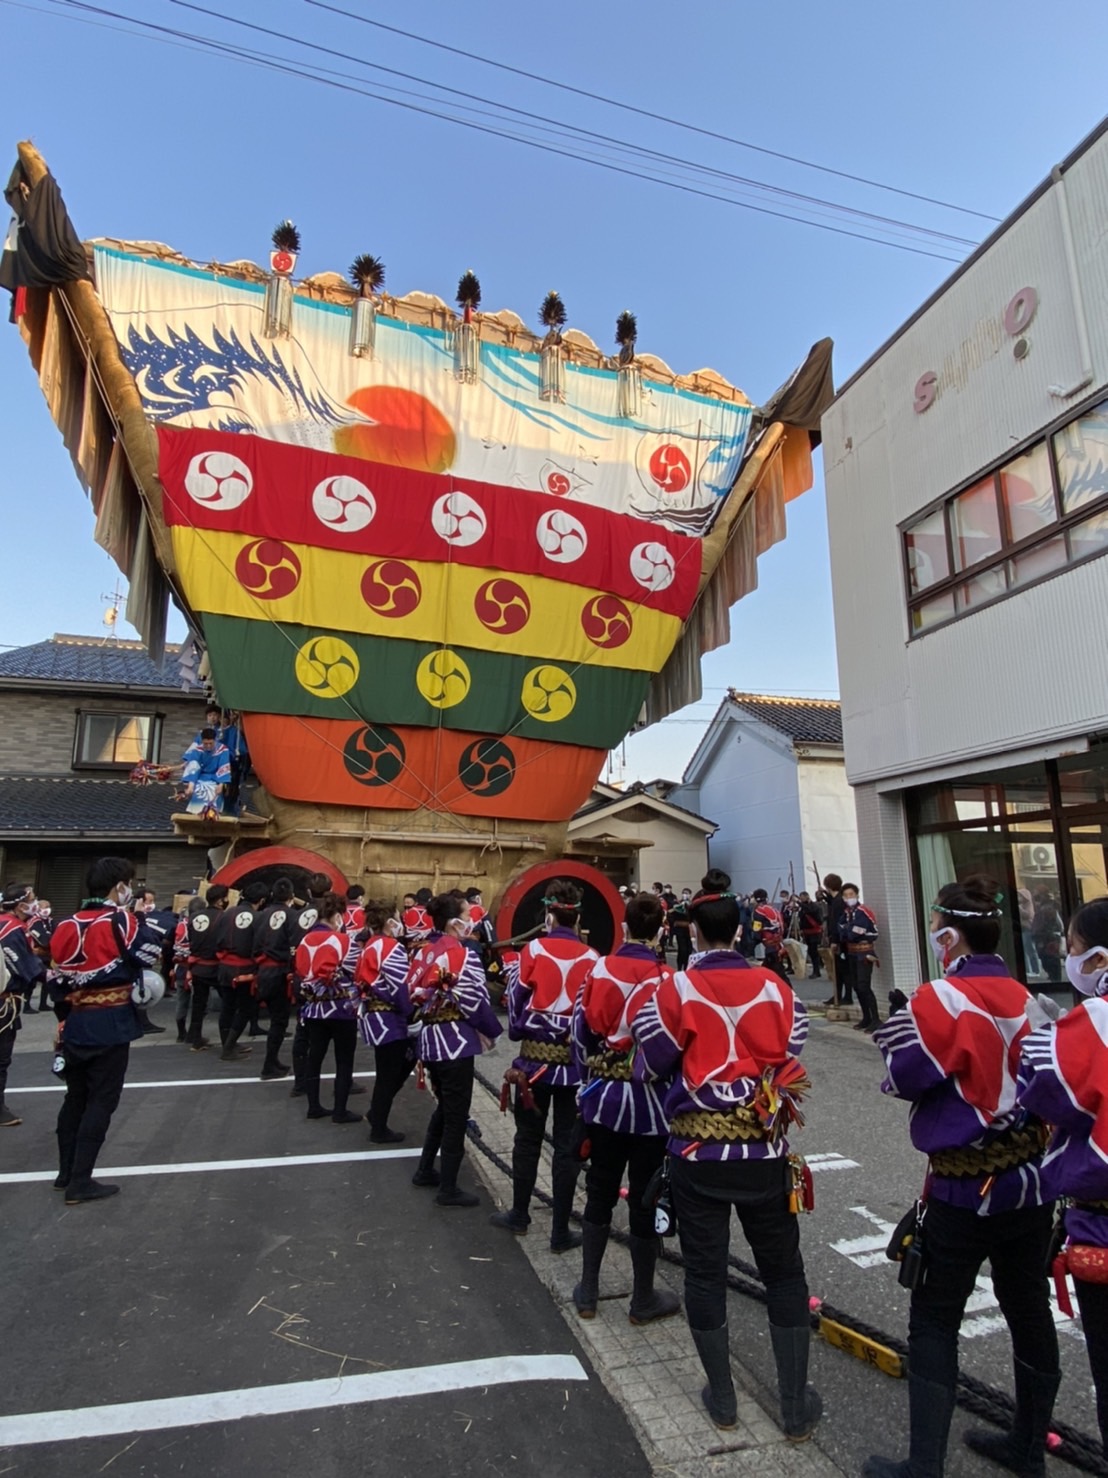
647, 1302
449, 1194
88, 1190
564, 1184
316, 1110
930, 1407
594, 1240
714, 1348
1023, 1449
67, 1144
299, 1072
385, 1135
232, 1052
182, 1035
801, 1406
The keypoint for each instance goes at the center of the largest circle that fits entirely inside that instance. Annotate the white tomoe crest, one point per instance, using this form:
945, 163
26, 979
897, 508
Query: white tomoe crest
459, 519
344, 504
243, 919
200, 923
561, 537
277, 919
307, 918
218, 480
652, 565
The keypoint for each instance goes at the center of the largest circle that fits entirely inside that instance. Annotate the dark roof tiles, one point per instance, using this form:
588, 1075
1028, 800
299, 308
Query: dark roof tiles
803, 720
36, 805
93, 661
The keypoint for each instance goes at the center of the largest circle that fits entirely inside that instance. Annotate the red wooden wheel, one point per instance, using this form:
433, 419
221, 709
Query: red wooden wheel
521, 907
267, 864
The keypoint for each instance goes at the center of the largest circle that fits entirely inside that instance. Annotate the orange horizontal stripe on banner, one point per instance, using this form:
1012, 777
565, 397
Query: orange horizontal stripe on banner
340, 762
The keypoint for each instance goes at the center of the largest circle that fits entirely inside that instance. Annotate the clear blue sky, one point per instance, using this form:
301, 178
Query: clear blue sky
966, 103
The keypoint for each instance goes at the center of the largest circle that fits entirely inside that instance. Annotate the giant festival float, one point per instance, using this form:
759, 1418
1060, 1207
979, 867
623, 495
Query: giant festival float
440, 562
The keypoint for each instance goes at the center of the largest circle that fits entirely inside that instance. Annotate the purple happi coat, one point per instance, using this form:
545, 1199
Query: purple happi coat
382, 979
543, 984
617, 987
324, 967
953, 1053
446, 977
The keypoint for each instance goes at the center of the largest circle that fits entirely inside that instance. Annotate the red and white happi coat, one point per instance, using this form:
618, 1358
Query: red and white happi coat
614, 992
324, 975
543, 985
382, 981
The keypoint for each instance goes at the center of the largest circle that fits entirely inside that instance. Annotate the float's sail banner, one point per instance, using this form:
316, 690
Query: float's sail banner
244, 484
421, 600
265, 666
347, 763
193, 341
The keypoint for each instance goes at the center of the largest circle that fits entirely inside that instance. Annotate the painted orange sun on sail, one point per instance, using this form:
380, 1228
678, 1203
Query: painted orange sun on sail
408, 431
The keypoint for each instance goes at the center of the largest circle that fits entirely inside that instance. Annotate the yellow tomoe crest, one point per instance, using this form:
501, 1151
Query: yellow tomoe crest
548, 694
327, 667
443, 678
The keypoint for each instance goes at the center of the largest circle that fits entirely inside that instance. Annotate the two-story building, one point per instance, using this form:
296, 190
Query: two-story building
966, 467
771, 769
77, 714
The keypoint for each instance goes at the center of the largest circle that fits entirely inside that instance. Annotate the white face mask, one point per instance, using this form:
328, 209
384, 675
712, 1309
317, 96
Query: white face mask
393, 928
851, 902
124, 894
942, 941
1087, 985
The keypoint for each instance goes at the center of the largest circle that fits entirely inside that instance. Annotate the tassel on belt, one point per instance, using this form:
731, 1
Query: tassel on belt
555, 1054
1008, 1151
705, 1126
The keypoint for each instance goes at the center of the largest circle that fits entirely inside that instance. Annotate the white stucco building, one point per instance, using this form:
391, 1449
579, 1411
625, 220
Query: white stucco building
771, 773
966, 467
637, 835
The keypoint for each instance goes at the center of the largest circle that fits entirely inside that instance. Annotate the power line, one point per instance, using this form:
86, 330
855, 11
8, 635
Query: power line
647, 113
300, 71
542, 118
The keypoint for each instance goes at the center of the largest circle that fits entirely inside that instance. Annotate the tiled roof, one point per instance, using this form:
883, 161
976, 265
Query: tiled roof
40, 805
93, 661
804, 720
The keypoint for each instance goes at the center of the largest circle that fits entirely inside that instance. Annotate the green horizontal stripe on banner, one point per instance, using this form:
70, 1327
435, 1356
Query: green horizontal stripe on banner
274, 667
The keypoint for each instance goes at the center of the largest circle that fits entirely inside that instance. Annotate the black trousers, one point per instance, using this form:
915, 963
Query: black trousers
1092, 1300
393, 1063
842, 979
7, 1047
957, 1243
703, 1195
813, 943
237, 999
205, 979
452, 1085
344, 1035
93, 1086
612, 1153
683, 940
859, 972
527, 1149
273, 989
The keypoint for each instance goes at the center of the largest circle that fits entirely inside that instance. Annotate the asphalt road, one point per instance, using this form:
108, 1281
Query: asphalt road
218, 1281
866, 1176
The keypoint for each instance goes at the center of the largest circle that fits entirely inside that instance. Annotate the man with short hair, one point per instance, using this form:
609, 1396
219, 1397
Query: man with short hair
99, 954
23, 970
237, 970
204, 924
276, 936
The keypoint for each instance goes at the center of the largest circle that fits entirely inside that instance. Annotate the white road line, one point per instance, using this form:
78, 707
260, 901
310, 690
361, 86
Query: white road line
182, 1083
315, 1395
197, 1167
831, 1161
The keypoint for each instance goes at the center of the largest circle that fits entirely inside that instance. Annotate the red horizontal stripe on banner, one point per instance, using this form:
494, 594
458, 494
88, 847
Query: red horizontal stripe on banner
250, 485
338, 762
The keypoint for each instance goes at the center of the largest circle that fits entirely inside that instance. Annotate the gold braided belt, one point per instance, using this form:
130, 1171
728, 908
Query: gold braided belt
93, 997
612, 1065
1009, 1150
441, 1016
372, 1003
702, 1125
555, 1054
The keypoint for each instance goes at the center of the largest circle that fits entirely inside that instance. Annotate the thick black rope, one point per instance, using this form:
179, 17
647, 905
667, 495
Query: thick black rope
1077, 1448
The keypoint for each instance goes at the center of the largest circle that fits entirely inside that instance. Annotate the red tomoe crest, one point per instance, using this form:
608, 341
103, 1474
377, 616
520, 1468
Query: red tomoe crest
268, 568
391, 588
670, 469
606, 621
502, 606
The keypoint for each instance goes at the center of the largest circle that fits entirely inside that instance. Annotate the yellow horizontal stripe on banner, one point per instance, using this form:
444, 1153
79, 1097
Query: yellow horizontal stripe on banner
230, 574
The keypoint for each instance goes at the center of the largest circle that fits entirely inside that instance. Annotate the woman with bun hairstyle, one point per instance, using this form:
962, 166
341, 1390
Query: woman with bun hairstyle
724, 1036
324, 973
1064, 1080
953, 1053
